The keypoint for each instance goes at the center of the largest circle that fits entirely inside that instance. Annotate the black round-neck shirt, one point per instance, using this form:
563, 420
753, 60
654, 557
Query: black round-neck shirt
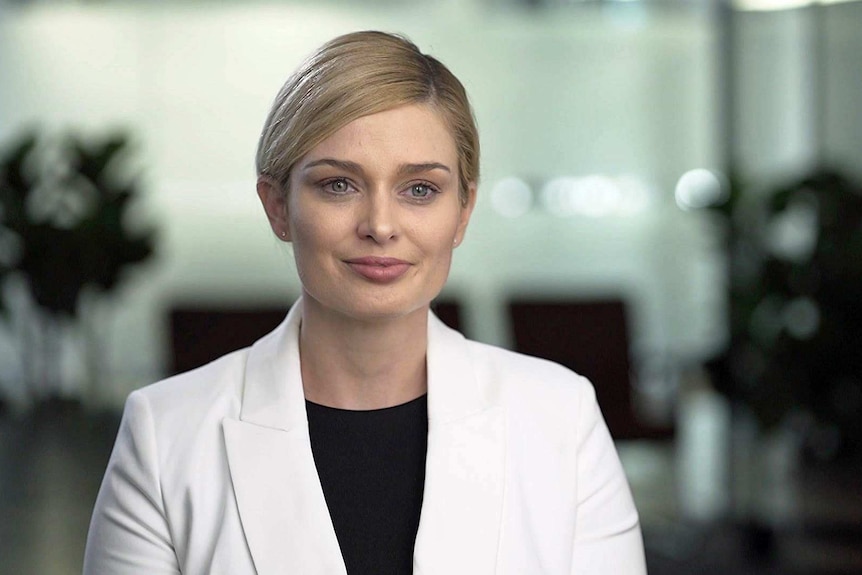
371, 466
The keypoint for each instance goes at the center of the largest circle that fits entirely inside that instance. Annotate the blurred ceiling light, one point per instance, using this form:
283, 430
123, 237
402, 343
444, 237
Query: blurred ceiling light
594, 196
636, 195
511, 197
700, 188
770, 5
554, 194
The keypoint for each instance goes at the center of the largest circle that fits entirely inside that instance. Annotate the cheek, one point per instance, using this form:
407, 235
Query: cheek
439, 242
307, 240
432, 238
310, 244
447, 231
311, 228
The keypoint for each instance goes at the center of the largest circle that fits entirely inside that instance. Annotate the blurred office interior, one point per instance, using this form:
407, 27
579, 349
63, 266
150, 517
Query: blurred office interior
627, 226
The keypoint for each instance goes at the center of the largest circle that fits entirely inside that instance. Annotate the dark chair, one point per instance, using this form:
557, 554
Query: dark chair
591, 338
200, 334
449, 312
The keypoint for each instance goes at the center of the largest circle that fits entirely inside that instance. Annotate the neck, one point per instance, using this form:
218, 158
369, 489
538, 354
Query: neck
355, 364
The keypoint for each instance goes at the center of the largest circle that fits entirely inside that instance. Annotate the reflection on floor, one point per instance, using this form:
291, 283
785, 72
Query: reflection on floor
50, 468
51, 464
823, 537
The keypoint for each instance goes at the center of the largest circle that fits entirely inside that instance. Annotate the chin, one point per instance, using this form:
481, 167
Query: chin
371, 309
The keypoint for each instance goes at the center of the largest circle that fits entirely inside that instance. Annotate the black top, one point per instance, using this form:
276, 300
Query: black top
372, 469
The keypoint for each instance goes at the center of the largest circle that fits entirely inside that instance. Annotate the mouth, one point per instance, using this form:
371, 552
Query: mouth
378, 269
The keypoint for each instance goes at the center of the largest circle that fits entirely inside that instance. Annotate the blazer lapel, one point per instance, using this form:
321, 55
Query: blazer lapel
459, 529
280, 500
281, 503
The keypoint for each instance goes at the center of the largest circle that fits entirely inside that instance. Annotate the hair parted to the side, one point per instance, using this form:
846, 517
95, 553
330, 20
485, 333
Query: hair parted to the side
355, 75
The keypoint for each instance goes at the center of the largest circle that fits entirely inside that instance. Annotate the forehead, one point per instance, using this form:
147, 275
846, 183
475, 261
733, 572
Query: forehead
410, 133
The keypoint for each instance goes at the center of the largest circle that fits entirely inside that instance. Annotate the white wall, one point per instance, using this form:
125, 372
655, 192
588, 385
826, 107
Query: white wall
842, 80
557, 93
798, 91
776, 137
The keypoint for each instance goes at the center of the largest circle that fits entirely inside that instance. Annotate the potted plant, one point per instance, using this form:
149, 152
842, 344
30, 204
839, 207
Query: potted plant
795, 292
64, 221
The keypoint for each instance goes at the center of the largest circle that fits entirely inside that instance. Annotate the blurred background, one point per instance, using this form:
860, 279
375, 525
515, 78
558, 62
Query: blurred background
670, 204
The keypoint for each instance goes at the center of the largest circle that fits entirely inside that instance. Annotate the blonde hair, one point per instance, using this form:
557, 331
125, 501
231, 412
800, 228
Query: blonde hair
355, 75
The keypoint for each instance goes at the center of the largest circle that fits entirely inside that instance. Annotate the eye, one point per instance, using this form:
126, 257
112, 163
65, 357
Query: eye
421, 191
338, 186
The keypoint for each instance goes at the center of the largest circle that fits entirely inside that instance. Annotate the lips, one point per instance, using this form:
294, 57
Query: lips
379, 269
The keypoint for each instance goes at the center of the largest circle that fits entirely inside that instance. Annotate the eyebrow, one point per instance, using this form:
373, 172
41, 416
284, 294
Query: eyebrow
407, 169
340, 164
353, 167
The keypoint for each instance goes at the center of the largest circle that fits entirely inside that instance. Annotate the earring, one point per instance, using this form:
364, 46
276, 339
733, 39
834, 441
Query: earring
283, 234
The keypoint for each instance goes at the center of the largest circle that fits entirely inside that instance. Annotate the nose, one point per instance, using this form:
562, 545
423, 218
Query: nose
378, 221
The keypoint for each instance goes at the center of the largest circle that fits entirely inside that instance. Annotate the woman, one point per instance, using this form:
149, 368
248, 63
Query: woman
362, 435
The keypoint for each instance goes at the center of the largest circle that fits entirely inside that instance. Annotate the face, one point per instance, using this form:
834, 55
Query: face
374, 212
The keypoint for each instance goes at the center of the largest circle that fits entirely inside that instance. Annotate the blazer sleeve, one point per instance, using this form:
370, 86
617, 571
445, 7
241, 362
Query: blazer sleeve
608, 539
129, 532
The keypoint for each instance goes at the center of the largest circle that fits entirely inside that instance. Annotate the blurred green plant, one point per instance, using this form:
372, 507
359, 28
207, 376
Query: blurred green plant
795, 346
65, 207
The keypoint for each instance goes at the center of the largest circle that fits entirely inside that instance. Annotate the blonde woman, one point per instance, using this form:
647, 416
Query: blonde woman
363, 435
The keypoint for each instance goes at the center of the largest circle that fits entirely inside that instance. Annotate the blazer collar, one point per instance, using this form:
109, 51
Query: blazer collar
273, 395
281, 503
272, 392
459, 529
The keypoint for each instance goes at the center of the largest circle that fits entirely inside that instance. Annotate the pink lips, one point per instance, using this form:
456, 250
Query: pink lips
379, 269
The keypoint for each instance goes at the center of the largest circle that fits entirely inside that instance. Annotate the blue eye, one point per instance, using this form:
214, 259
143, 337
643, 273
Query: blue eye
339, 186
421, 191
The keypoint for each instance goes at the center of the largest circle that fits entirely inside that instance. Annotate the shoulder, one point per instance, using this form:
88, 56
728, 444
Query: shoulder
530, 384
514, 368
505, 375
209, 383
191, 403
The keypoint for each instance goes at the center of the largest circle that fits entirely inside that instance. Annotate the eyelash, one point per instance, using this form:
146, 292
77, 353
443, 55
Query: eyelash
432, 189
327, 186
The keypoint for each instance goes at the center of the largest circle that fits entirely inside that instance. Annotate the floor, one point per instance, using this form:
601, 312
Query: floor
51, 463
50, 467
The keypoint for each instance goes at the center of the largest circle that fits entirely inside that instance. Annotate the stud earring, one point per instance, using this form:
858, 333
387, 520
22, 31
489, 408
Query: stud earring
283, 234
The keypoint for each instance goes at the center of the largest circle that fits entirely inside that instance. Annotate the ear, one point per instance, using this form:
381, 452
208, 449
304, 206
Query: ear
274, 201
466, 212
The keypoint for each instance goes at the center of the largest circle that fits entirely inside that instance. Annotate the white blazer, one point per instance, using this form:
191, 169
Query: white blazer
212, 472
